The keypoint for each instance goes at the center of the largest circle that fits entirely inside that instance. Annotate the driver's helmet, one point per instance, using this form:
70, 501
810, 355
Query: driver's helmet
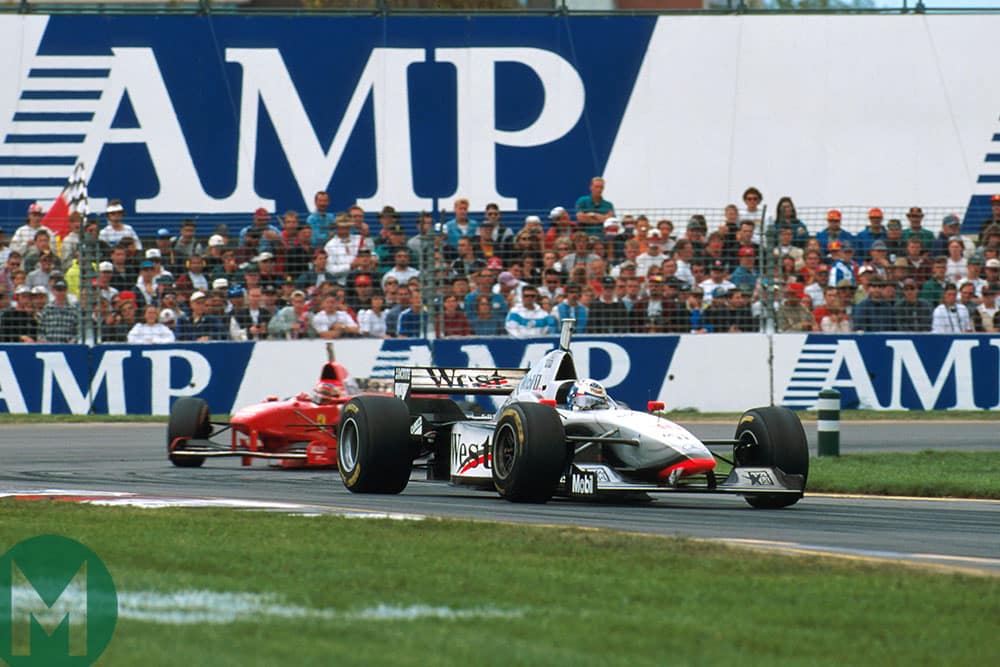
325, 392
587, 395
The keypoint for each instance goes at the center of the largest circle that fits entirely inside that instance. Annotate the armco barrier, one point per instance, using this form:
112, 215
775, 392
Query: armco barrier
725, 372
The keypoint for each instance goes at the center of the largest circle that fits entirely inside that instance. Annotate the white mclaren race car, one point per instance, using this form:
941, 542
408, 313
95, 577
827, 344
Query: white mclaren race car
558, 434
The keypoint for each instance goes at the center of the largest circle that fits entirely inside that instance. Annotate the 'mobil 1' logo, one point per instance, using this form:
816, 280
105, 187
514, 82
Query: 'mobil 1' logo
58, 604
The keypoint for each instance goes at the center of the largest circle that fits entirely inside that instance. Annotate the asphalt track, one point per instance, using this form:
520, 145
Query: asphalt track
955, 533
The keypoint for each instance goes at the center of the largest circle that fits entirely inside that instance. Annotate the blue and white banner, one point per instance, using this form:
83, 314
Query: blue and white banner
724, 372
205, 115
884, 372
118, 379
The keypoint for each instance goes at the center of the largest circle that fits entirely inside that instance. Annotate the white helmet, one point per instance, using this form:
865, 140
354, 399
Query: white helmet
587, 395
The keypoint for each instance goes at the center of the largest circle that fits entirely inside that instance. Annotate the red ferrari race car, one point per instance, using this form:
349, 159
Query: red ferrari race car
295, 432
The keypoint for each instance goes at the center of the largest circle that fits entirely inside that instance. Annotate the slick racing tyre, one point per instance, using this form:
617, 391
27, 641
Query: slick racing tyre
188, 419
373, 447
772, 437
529, 452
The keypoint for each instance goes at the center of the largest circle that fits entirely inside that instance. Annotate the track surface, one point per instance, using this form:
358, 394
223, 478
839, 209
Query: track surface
131, 458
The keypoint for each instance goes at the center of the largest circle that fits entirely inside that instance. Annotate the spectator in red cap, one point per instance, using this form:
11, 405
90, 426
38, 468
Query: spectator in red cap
269, 233
867, 236
360, 296
746, 275
833, 231
841, 267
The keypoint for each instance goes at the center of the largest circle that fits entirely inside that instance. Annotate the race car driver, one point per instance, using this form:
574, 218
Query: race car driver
324, 393
587, 395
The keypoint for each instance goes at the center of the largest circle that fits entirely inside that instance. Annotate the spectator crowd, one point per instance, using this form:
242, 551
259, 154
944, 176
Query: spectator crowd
334, 275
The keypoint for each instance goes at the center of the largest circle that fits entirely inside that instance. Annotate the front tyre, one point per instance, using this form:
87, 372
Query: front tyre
529, 452
373, 445
772, 437
189, 418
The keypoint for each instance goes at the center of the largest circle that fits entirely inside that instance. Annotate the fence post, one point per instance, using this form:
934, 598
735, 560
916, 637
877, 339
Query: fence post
828, 422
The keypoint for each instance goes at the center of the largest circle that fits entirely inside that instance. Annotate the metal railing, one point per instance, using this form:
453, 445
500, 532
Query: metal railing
766, 302
562, 7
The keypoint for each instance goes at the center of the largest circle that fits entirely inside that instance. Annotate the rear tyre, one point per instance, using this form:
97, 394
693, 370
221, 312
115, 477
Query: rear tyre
373, 446
189, 418
772, 437
529, 452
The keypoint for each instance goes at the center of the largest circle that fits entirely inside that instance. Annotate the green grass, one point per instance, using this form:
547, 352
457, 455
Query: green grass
583, 597
926, 473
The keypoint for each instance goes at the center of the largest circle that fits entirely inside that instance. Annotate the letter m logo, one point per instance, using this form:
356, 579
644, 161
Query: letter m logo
49, 613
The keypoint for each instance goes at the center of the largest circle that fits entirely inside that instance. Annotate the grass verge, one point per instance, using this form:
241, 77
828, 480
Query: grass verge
927, 473
558, 596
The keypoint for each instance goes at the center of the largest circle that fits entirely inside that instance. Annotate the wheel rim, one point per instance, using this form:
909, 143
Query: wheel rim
504, 446
347, 448
743, 453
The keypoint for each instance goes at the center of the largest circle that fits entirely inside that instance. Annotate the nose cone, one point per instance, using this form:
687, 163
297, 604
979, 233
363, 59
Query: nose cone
686, 468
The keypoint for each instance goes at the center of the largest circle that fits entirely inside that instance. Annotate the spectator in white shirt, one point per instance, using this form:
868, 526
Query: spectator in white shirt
117, 229
24, 236
653, 256
152, 329
950, 316
401, 270
342, 250
333, 321
371, 321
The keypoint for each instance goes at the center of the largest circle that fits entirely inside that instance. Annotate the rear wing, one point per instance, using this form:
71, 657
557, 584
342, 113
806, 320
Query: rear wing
437, 380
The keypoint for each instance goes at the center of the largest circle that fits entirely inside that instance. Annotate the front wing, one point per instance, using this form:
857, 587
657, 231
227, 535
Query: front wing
587, 480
